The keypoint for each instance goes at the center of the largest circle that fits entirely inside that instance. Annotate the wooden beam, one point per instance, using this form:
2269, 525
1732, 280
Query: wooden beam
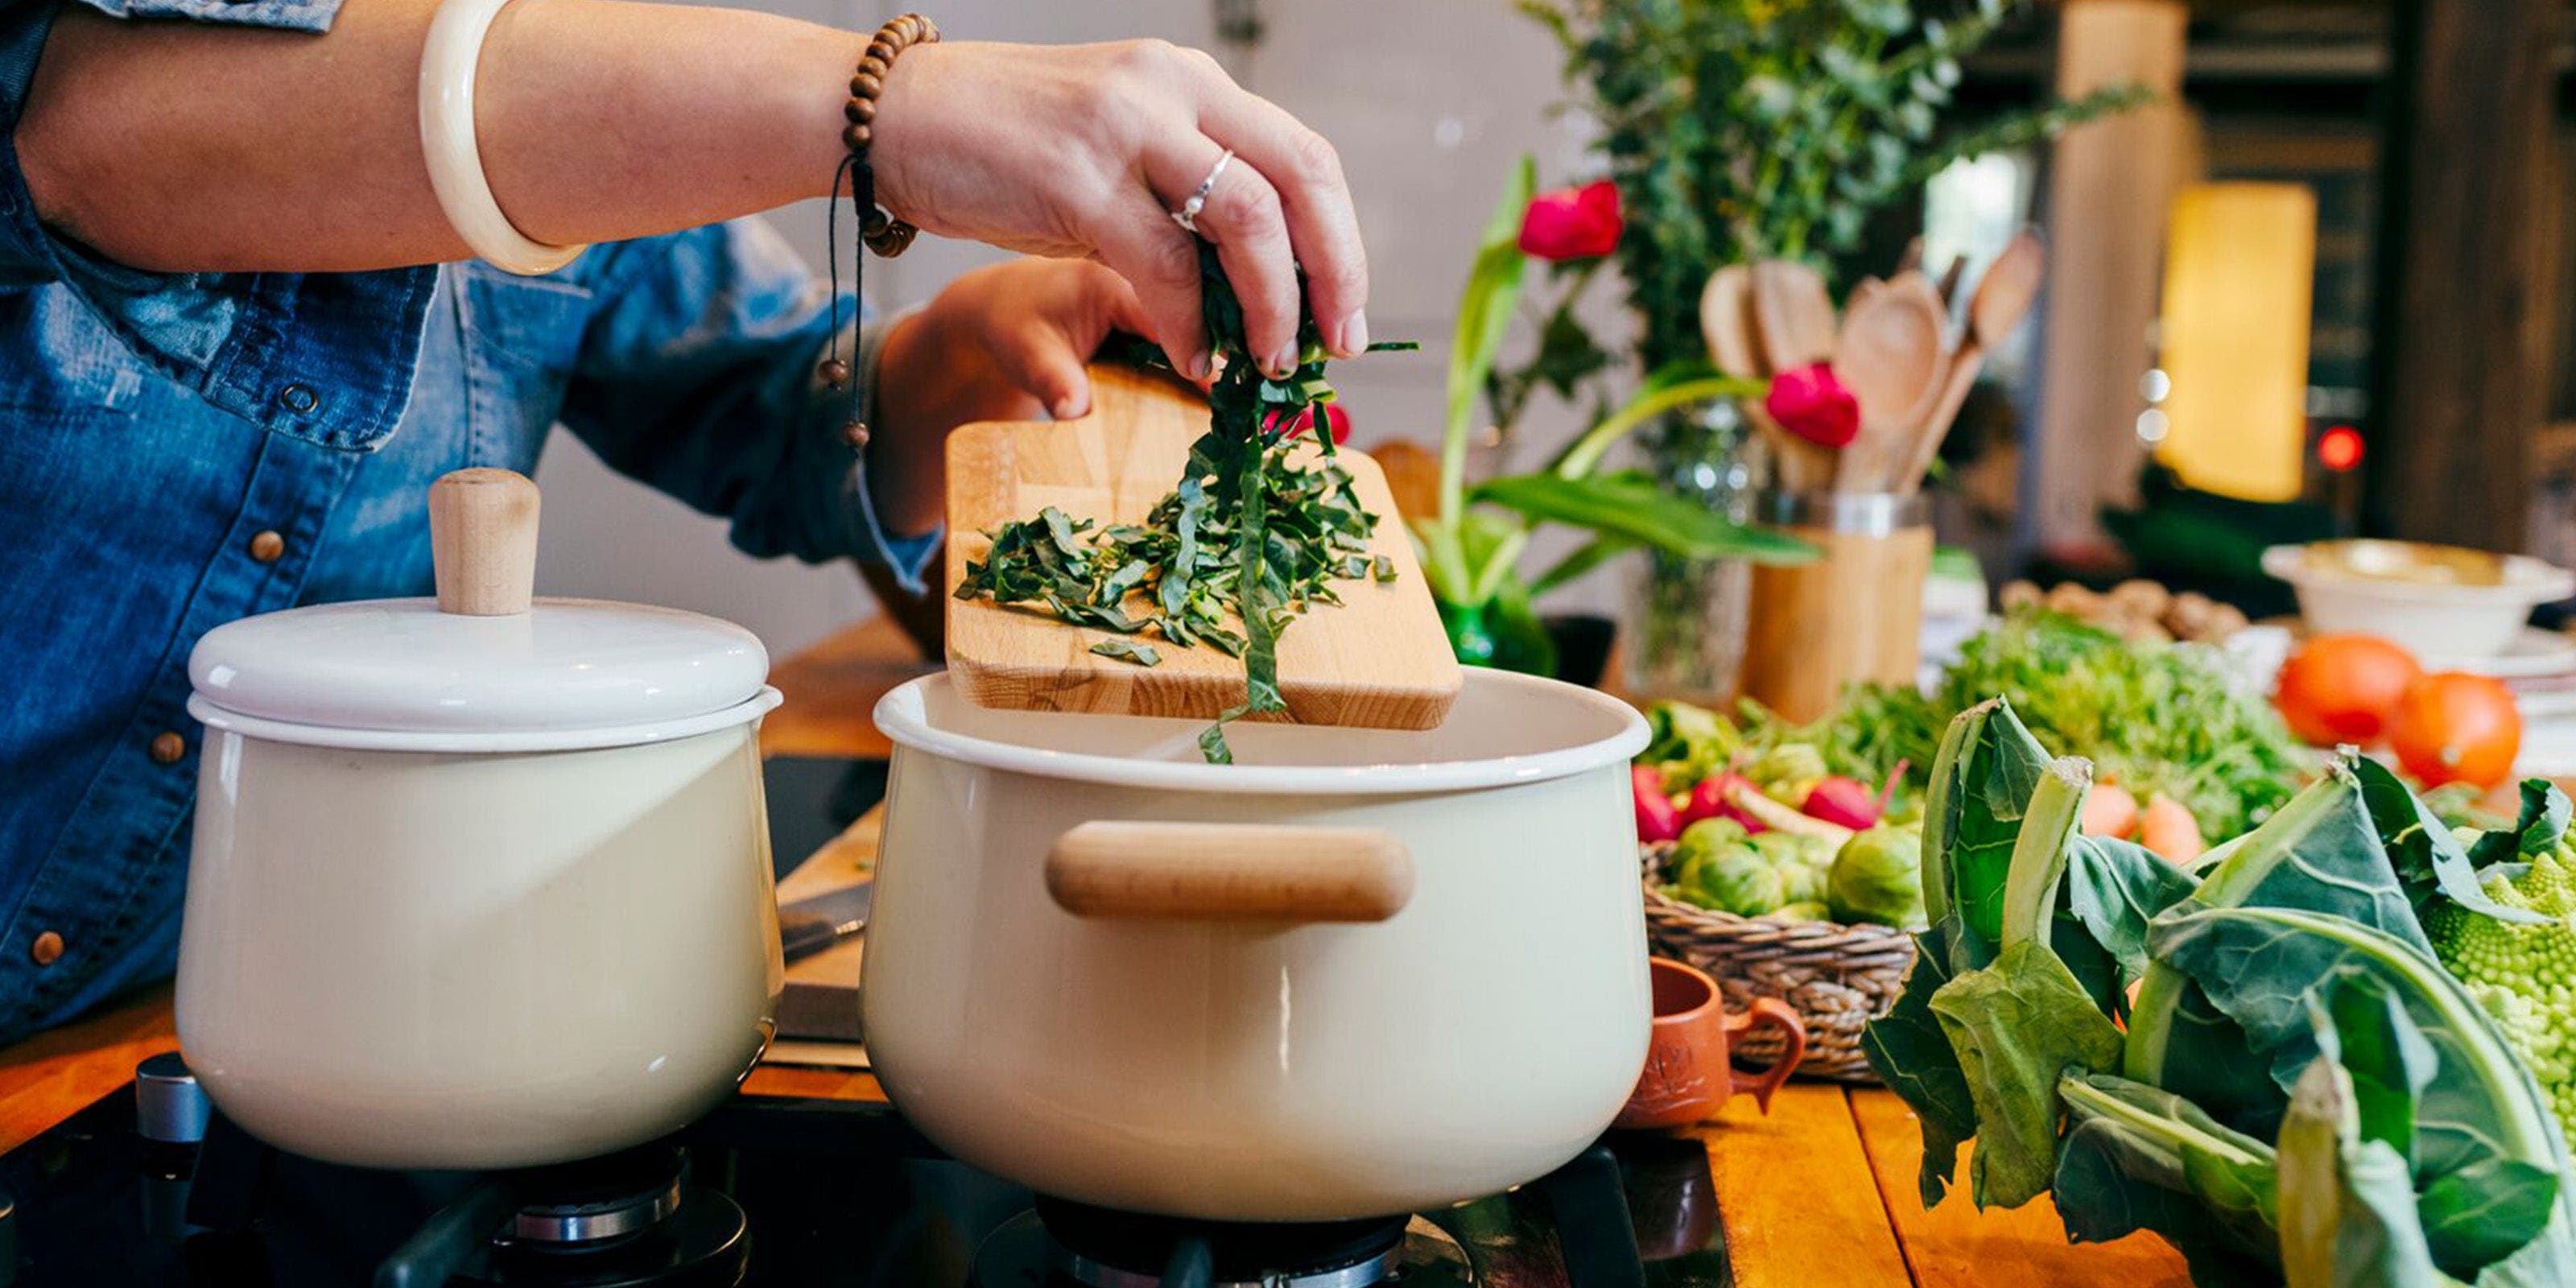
2111, 183
2460, 342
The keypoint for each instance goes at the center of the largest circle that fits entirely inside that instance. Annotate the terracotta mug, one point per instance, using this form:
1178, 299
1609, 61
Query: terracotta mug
1688, 1074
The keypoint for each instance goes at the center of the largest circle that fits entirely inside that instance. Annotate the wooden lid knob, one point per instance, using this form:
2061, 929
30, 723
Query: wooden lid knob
483, 541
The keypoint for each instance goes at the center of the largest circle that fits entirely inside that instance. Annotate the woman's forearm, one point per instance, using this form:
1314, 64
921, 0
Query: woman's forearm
190, 147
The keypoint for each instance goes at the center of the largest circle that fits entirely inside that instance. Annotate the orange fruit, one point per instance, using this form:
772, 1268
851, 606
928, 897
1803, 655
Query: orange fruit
2452, 727
2340, 688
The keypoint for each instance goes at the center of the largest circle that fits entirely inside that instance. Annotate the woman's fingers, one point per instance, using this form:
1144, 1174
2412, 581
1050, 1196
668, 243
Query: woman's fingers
1307, 176
1046, 352
1136, 240
1241, 215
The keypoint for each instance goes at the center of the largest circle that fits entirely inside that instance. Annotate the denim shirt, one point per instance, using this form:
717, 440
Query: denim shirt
180, 450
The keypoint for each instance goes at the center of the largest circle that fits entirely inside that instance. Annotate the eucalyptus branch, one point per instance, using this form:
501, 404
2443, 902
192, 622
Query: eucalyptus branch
2022, 131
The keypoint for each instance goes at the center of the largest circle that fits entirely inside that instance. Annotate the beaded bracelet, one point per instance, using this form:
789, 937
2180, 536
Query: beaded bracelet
879, 231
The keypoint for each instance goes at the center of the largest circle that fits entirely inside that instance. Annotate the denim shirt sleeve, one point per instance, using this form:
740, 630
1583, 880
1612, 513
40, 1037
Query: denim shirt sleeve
324, 357
697, 376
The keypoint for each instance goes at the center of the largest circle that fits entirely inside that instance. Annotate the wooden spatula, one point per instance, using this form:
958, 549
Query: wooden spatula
1889, 356
1379, 659
2002, 298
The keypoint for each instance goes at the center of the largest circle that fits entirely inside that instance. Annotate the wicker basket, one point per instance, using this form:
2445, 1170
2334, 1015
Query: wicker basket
1838, 978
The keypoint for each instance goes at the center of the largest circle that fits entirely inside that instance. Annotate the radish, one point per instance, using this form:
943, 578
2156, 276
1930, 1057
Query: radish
1657, 818
1849, 802
1845, 802
1722, 797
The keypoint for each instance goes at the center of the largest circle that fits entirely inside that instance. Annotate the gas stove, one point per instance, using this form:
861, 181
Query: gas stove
148, 1187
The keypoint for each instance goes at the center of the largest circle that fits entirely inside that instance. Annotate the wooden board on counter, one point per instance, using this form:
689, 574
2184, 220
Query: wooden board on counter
1794, 1189
52, 1076
1378, 659
1957, 1246
831, 688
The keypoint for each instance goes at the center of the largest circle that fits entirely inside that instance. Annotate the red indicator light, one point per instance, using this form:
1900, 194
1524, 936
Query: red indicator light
2339, 448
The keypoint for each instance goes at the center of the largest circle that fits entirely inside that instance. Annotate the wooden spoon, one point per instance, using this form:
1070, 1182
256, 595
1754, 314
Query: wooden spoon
2003, 298
1889, 356
1726, 322
2009, 286
1794, 314
1794, 321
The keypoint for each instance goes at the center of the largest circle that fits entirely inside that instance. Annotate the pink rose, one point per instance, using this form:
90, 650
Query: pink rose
1333, 415
1573, 223
1810, 403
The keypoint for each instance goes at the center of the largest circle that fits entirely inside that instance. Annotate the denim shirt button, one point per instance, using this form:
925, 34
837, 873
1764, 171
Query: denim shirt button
46, 950
267, 546
299, 398
167, 748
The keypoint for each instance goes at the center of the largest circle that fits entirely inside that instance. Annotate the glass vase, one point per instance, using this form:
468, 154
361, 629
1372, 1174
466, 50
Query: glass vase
1683, 629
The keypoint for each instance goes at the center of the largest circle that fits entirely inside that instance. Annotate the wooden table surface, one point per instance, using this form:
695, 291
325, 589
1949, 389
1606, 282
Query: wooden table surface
1820, 1191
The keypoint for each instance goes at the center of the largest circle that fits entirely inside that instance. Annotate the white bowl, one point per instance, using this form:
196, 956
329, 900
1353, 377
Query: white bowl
2433, 601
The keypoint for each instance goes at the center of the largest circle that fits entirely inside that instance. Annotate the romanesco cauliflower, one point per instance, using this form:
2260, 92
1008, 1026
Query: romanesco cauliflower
2524, 976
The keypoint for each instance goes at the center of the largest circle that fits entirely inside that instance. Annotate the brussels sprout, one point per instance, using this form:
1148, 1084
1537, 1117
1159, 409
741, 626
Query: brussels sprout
1744, 885
1796, 850
1701, 844
1800, 883
1788, 772
1878, 878
1802, 911
1681, 731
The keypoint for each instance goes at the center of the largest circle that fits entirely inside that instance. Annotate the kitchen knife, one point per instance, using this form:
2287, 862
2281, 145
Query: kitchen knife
812, 924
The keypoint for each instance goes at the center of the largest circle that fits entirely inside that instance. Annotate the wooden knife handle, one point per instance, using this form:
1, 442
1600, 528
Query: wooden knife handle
483, 541
1229, 872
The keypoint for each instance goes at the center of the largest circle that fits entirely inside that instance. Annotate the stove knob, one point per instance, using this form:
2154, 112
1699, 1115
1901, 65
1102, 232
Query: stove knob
169, 1106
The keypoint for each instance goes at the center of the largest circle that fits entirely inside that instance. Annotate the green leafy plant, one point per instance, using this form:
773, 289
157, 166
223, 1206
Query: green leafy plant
1739, 130
2154, 718
1471, 544
2301, 1093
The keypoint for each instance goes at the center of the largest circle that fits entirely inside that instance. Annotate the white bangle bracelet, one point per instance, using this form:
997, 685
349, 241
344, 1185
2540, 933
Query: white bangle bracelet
447, 64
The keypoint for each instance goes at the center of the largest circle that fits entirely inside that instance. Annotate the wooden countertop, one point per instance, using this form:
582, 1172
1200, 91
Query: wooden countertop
1820, 1190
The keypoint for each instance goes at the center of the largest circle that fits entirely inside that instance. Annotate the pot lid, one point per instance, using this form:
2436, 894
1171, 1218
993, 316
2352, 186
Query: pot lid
403, 665
484, 656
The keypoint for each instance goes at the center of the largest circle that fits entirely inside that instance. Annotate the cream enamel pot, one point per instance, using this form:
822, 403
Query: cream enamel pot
479, 882
1359, 972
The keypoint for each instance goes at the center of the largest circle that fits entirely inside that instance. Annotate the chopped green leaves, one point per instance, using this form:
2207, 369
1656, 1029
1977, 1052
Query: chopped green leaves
1247, 538
1140, 654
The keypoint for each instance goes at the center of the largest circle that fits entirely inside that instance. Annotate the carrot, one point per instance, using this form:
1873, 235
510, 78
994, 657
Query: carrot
2169, 829
2109, 810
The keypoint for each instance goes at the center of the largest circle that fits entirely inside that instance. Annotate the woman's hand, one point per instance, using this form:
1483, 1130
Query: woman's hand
1007, 342
1085, 150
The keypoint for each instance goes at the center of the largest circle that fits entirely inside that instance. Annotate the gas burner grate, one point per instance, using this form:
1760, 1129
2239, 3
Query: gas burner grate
1104, 1248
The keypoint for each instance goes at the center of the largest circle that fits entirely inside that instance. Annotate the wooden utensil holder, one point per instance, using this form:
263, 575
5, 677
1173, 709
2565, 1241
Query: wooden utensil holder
1854, 614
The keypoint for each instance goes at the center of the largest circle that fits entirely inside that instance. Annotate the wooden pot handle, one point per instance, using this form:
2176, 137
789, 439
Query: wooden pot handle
483, 541
1229, 872
1774, 1013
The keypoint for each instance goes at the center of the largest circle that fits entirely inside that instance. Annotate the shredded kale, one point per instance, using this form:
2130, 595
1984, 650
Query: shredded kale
1246, 535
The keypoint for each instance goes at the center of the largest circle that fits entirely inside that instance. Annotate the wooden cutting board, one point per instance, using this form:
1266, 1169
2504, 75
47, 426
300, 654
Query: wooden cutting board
1379, 659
